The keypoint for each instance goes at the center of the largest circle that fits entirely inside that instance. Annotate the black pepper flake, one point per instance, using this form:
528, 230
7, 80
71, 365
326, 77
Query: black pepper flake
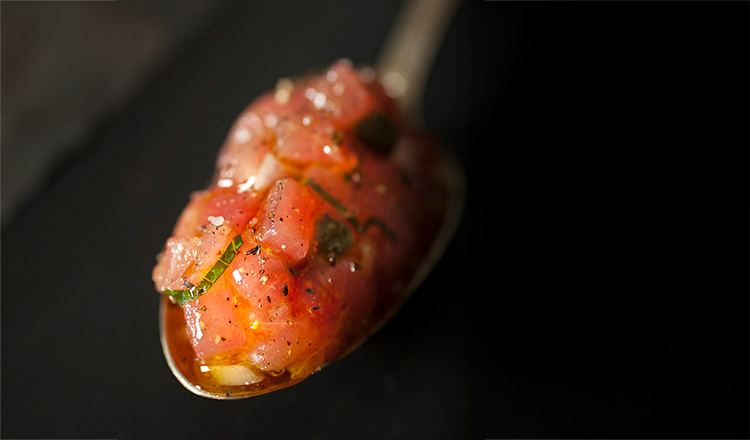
223, 338
285, 289
253, 251
310, 291
268, 298
229, 393
316, 308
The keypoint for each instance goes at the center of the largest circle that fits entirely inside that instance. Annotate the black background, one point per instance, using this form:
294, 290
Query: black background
597, 287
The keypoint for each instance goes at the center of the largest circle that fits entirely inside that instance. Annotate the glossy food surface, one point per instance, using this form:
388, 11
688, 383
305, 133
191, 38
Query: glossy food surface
324, 205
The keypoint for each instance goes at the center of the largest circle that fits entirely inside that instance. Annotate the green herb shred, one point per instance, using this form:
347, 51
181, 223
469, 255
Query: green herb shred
182, 297
360, 227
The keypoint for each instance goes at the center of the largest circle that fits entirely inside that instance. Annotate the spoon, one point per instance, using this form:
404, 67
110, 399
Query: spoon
403, 68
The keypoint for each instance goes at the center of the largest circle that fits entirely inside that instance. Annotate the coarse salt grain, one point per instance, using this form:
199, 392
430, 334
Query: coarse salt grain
216, 221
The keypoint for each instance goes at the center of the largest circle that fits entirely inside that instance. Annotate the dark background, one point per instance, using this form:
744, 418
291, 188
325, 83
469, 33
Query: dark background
597, 287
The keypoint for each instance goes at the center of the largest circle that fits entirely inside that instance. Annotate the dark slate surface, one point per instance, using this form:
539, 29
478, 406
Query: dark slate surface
596, 288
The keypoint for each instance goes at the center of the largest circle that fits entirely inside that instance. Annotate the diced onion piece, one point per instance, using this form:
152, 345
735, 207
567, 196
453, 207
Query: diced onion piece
235, 375
270, 171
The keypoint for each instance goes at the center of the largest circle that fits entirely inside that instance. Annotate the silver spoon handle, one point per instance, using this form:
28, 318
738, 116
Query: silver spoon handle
410, 49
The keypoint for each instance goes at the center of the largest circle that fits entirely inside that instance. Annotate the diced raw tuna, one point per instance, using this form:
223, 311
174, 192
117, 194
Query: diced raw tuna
323, 205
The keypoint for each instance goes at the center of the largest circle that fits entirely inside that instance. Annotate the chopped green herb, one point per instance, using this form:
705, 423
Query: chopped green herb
182, 297
215, 272
237, 242
361, 228
379, 222
328, 197
377, 132
228, 255
333, 238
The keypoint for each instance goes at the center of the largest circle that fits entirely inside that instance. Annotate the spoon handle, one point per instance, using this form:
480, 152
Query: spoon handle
410, 49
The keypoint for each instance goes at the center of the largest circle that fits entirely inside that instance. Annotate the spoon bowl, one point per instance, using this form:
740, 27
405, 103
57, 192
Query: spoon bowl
186, 366
407, 57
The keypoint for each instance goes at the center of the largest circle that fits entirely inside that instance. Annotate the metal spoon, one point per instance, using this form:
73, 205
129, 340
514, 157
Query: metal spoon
403, 68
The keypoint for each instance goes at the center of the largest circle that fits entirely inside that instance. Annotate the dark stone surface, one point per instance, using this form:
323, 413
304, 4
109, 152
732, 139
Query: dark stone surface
596, 288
